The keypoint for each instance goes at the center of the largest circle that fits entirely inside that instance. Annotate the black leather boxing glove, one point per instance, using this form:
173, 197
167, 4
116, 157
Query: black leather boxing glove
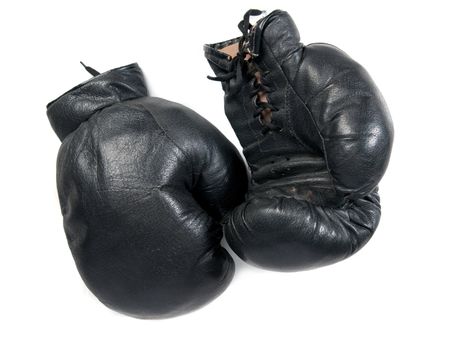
143, 183
317, 136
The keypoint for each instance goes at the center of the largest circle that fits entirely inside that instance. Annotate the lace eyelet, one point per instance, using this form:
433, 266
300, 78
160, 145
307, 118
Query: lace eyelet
255, 101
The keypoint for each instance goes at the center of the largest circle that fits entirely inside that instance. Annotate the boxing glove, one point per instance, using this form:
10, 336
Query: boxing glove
143, 184
317, 136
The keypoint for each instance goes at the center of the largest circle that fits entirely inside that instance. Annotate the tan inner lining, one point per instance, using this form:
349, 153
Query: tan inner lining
230, 50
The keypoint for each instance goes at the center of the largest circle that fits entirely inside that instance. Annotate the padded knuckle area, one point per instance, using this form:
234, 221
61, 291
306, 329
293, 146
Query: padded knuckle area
288, 234
352, 118
137, 248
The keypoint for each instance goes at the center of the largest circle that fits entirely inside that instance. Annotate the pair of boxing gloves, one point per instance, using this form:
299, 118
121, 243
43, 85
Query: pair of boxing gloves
147, 186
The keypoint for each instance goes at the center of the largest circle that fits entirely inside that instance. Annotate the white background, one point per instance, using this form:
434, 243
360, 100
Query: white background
391, 295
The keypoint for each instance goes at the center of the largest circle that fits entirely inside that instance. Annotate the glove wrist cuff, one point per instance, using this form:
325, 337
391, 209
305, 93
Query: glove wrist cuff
78, 104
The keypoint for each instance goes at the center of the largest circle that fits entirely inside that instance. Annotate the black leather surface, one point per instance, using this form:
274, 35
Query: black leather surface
313, 196
143, 183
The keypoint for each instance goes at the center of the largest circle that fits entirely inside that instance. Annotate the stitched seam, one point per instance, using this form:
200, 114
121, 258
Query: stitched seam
79, 187
287, 112
291, 54
299, 63
167, 136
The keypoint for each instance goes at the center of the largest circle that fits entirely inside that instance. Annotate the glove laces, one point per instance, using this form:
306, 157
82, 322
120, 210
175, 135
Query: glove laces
245, 61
